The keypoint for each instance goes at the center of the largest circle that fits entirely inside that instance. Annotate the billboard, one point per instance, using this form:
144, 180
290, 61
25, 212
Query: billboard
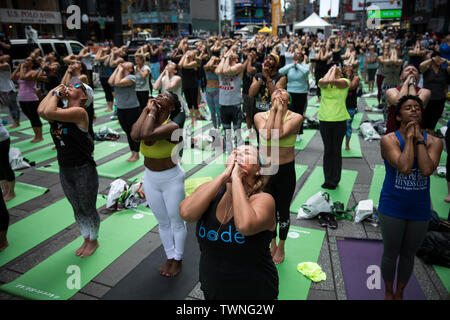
329, 8
358, 5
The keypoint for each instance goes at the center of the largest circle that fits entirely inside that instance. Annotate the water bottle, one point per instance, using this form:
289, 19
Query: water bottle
375, 219
4, 122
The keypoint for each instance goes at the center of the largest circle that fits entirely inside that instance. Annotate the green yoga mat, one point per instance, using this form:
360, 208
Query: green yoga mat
30, 132
443, 274
313, 102
372, 102
443, 160
23, 125
101, 150
25, 192
357, 119
38, 227
375, 116
100, 102
302, 245
379, 172
313, 185
26, 145
305, 139
355, 148
42, 154
311, 111
103, 112
63, 274
438, 191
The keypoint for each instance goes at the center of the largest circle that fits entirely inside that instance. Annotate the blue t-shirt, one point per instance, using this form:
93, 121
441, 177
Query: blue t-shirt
405, 196
444, 50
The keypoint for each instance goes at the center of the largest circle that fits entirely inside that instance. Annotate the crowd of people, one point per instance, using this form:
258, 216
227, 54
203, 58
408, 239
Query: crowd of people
265, 82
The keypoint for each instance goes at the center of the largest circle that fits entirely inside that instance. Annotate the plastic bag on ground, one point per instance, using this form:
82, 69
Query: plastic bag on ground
16, 160
117, 190
320, 202
364, 209
368, 132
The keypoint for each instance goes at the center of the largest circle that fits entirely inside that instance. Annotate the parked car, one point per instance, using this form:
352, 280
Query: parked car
21, 48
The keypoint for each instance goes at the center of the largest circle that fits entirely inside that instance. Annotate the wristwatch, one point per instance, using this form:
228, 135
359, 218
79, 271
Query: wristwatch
421, 142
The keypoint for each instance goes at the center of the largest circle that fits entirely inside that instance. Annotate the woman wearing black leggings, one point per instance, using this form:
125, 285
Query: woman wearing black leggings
189, 77
128, 110
410, 157
280, 124
102, 57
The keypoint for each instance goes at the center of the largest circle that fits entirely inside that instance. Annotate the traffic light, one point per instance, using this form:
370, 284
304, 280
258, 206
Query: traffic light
329, 12
246, 12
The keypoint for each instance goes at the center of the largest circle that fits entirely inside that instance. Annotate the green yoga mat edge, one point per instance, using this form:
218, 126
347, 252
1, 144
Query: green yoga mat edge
302, 245
63, 274
47, 221
22, 197
355, 147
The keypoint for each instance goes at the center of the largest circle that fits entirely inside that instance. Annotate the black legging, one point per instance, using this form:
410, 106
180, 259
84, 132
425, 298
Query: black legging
191, 95
127, 117
142, 97
108, 89
332, 133
90, 111
282, 186
6, 173
432, 114
299, 104
29, 108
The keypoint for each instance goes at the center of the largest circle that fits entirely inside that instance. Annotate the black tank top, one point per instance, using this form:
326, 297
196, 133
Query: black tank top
154, 58
351, 101
74, 146
234, 266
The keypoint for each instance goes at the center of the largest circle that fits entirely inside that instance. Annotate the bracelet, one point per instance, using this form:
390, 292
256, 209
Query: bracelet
151, 116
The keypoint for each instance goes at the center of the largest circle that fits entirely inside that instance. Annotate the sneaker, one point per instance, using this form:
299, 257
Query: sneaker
331, 221
323, 219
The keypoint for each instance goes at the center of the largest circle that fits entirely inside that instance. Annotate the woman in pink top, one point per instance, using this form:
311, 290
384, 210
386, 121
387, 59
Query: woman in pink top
26, 78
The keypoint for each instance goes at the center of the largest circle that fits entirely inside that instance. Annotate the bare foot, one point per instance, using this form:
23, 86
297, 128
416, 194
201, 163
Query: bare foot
389, 296
164, 269
279, 255
133, 158
447, 198
35, 140
3, 245
9, 196
81, 249
273, 249
398, 295
90, 248
347, 148
15, 125
109, 110
175, 268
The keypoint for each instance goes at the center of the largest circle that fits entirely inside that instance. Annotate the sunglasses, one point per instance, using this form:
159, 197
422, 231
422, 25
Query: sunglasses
79, 85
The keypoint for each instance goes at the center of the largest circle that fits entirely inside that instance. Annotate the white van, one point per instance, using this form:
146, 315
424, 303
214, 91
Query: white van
21, 48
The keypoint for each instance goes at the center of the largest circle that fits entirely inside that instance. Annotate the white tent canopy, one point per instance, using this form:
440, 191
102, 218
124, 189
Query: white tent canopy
313, 23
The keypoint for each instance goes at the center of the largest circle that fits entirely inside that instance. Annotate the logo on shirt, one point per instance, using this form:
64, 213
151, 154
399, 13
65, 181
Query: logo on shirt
226, 236
414, 181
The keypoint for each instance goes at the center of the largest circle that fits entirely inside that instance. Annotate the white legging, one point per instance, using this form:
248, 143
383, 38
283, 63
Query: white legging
164, 191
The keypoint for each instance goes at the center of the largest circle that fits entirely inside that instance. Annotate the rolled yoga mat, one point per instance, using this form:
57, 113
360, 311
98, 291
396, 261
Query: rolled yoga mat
101, 150
38, 227
145, 283
302, 245
313, 185
25, 192
360, 262
63, 274
355, 148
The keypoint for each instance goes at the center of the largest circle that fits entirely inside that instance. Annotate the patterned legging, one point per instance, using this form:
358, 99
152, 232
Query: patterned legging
212, 98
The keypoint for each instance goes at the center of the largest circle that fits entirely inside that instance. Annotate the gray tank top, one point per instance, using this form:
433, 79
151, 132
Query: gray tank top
230, 90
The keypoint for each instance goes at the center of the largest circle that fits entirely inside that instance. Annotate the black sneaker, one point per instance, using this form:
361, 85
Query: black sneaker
328, 186
331, 221
323, 219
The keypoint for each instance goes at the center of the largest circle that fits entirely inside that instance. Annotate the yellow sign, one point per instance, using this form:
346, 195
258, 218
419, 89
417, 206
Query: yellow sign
276, 16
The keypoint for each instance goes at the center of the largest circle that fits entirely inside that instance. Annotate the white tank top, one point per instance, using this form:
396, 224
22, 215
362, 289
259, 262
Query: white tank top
6, 85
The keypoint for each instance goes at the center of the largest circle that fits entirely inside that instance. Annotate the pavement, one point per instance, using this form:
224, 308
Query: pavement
331, 289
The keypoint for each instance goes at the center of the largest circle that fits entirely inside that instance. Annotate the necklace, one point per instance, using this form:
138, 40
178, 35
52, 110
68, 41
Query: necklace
223, 220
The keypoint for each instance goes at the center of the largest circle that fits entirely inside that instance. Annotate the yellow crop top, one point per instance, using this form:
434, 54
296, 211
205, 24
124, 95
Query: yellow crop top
161, 149
285, 142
